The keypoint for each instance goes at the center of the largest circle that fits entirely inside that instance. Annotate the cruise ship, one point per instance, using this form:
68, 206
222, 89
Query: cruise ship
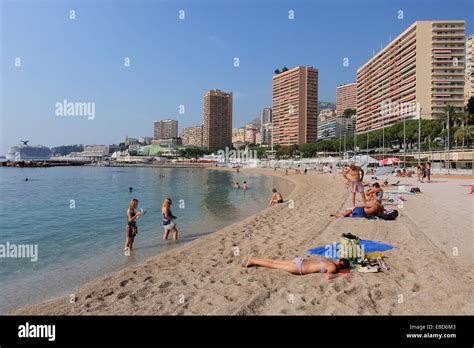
27, 152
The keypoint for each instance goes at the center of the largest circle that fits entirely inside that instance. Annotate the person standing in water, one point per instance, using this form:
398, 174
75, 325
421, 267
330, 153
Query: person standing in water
131, 228
168, 220
355, 182
245, 186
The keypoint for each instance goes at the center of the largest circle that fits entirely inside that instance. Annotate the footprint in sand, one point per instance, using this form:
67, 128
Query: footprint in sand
164, 285
123, 295
124, 282
415, 288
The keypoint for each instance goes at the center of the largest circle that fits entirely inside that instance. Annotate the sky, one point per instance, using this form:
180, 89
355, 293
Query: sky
174, 61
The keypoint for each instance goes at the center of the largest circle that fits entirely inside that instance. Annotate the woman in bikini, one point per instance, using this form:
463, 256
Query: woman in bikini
168, 220
300, 266
131, 229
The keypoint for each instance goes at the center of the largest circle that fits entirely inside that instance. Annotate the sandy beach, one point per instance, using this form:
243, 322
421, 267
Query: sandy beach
430, 268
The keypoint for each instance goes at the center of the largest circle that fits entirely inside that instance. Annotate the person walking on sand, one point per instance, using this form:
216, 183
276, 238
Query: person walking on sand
419, 172
131, 228
300, 266
427, 171
275, 198
355, 182
168, 220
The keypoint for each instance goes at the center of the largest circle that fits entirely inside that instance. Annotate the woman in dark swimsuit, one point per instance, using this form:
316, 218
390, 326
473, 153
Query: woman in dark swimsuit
300, 266
131, 229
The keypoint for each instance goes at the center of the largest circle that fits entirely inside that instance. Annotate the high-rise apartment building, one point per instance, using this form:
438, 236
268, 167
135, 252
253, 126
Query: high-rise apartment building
469, 75
217, 128
266, 126
165, 129
295, 106
424, 64
346, 98
192, 136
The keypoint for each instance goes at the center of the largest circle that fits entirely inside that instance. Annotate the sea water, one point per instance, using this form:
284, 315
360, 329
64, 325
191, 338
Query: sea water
75, 217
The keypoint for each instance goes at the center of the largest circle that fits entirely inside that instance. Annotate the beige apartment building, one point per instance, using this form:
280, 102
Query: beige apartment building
295, 106
238, 134
192, 136
424, 64
346, 98
217, 128
469, 75
165, 129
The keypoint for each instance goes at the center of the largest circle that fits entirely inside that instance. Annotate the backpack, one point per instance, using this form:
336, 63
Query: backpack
390, 215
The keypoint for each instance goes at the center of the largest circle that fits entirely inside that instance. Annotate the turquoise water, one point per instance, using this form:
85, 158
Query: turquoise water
77, 243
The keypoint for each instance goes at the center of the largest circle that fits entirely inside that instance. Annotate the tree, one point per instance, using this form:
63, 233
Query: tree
276, 71
348, 113
470, 105
326, 133
464, 135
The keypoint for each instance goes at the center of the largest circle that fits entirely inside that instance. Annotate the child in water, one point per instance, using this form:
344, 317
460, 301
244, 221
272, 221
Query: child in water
131, 229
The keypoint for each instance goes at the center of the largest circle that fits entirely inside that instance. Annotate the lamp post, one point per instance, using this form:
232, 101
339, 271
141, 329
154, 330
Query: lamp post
383, 139
354, 120
367, 152
404, 142
448, 142
418, 109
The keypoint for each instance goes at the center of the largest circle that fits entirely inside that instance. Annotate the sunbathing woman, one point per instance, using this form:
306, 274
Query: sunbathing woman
300, 266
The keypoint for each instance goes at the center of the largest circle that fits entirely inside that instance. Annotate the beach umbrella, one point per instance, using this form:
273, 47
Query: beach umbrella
363, 159
390, 160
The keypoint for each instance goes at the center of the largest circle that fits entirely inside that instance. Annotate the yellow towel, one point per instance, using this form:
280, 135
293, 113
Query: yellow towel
374, 255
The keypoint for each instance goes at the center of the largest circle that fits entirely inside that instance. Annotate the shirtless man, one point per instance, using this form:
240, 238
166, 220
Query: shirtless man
237, 185
355, 182
372, 208
275, 198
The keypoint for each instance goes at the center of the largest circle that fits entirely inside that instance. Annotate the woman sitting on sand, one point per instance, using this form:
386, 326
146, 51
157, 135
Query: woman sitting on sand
168, 217
300, 266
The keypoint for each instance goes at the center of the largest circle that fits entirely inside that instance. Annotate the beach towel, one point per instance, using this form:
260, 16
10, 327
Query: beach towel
330, 250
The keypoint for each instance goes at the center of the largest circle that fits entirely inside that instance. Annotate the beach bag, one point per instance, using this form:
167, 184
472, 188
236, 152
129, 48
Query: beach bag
349, 247
415, 190
390, 215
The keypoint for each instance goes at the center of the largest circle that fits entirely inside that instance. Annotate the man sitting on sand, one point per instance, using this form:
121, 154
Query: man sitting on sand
372, 208
275, 198
300, 266
355, 182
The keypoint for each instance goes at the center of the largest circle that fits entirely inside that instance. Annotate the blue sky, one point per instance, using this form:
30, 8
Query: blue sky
173, 61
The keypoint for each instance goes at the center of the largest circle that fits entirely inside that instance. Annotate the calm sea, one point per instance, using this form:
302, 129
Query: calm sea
76, 216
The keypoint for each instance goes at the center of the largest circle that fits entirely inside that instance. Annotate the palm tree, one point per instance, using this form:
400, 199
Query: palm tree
464, 134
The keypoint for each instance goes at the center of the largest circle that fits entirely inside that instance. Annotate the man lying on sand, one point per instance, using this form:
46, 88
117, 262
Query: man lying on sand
372, 208
275, 198
300, 266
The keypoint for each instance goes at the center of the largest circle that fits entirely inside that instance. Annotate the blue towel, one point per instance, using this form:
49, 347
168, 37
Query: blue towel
369, 246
